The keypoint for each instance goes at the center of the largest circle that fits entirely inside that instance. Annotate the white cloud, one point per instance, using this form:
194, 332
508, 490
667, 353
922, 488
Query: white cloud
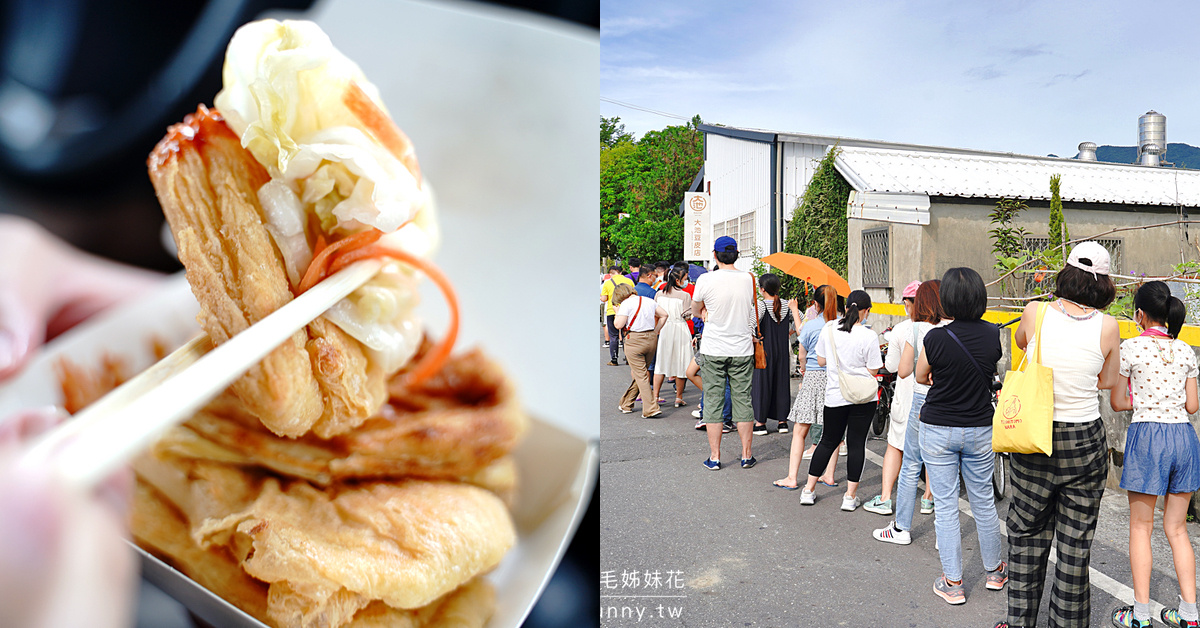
1030, 77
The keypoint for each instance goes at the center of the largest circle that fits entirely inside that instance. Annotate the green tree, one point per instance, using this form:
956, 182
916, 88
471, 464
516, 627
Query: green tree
1008, 242
641, 185
818, 226
612, 132
1058, 225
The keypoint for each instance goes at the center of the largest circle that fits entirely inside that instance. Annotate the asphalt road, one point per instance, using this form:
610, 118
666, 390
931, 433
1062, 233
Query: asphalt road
730, 549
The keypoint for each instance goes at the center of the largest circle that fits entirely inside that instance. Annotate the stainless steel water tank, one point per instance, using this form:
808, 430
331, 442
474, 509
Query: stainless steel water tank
1152, 129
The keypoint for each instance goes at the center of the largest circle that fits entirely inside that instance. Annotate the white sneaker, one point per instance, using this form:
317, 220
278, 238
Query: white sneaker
809, 453
807, 497
892, 534
850, 504
842, 450
696, 413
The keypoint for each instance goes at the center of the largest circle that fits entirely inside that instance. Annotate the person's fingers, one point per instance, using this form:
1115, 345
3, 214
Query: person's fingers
46, 287
31, 524
29, 260
116, 492
26, 424
96, 572
21, 326
87, 284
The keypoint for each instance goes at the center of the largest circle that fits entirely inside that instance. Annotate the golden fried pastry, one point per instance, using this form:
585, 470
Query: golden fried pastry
406, 543
469, 606
450, 426
207, 185
161, 530
81, 385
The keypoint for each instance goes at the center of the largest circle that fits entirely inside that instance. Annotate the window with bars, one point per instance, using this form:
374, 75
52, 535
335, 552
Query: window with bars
875, 268
1037, 244
745, 236
740, 229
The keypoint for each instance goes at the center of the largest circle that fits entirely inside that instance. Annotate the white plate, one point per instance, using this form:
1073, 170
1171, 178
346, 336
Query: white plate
557, 469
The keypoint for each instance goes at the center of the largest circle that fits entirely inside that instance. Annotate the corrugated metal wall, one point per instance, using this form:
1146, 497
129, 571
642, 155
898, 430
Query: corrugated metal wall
799, 163
740, 175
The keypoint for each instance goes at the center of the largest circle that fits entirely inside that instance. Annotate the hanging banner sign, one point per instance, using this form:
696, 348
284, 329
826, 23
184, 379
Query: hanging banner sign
697, 227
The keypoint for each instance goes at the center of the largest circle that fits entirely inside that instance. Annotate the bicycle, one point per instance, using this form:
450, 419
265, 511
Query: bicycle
1003, 466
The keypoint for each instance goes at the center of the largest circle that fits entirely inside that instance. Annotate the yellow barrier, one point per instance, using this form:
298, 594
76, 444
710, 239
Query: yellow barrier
1189, 334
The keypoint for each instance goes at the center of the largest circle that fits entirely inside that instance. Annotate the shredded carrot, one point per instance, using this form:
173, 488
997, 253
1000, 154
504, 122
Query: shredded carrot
436, 356
318, 269
382, 127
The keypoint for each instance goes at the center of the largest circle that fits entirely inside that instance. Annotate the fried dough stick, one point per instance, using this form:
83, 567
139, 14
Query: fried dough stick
450, 426
207, 184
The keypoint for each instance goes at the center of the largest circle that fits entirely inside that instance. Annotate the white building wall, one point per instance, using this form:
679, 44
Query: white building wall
799, 163
737, 173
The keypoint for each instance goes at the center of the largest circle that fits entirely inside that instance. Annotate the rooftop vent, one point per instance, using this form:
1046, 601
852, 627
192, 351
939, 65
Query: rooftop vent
1087, 151
1151, 155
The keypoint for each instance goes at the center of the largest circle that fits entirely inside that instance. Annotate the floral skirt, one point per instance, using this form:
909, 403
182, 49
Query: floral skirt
809, 405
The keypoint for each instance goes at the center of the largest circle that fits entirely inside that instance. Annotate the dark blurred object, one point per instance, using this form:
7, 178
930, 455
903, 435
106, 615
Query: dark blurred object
586, 12
87, 86
572, 598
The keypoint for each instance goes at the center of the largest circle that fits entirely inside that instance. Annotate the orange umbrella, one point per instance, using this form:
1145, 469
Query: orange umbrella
809, 269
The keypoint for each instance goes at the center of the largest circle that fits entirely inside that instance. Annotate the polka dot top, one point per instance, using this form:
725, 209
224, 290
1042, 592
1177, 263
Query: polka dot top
1158, 368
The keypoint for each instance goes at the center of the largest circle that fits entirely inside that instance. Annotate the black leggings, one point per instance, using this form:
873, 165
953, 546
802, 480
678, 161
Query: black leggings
852, 422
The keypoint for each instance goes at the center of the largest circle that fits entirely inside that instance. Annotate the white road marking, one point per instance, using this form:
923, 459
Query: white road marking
1106, 583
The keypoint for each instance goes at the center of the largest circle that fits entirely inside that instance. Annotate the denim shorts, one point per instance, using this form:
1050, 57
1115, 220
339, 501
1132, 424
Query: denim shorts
1161, 458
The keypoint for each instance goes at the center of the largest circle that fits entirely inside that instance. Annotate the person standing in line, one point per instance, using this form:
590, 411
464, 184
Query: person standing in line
640, 318
1056, 498
904, 335
606, 294
771, 389
847, 348
927, 314
725, 300
898, 413
635, 267
959, 365
809, 405
645, 288
674, 340
1162, 453
660, 273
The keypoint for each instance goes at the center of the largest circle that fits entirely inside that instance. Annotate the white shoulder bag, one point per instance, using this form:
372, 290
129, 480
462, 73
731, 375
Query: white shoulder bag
855, 388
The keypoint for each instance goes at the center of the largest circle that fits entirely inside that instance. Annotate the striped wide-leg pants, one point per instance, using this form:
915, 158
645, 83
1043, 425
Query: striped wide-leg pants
1056, 498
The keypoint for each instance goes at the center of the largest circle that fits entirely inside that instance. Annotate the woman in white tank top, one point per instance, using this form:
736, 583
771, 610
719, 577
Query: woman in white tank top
1082, 344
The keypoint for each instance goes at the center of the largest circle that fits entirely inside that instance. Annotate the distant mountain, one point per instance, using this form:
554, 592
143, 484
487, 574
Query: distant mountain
1181, 155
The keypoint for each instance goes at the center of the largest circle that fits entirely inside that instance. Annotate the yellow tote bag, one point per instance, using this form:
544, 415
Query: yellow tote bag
1024, 418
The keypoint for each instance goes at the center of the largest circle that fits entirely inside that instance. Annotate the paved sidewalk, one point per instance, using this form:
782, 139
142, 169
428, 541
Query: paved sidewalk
730, 549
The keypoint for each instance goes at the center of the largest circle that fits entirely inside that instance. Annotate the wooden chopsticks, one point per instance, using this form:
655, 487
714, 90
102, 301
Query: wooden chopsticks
111, 431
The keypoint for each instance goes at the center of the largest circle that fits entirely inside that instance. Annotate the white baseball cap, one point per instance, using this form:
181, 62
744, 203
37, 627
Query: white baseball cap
1091, 257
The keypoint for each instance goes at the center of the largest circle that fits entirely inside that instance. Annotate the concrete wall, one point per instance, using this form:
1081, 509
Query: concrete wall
957, 236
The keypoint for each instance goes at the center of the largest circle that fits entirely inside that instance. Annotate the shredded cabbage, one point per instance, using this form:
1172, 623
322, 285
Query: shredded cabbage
380, 316
283, 88
286, 221
284, 83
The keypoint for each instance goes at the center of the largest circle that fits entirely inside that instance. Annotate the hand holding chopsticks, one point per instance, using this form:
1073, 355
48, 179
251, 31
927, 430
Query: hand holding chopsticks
114, 429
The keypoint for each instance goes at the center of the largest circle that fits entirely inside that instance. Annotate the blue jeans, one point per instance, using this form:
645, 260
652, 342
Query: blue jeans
910, 466
727, 411
946, 451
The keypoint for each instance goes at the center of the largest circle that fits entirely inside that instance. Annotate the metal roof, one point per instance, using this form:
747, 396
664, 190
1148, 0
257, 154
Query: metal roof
975, 175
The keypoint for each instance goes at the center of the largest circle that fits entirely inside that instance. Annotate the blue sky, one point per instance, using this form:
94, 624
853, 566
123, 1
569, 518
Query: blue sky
1025, 77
